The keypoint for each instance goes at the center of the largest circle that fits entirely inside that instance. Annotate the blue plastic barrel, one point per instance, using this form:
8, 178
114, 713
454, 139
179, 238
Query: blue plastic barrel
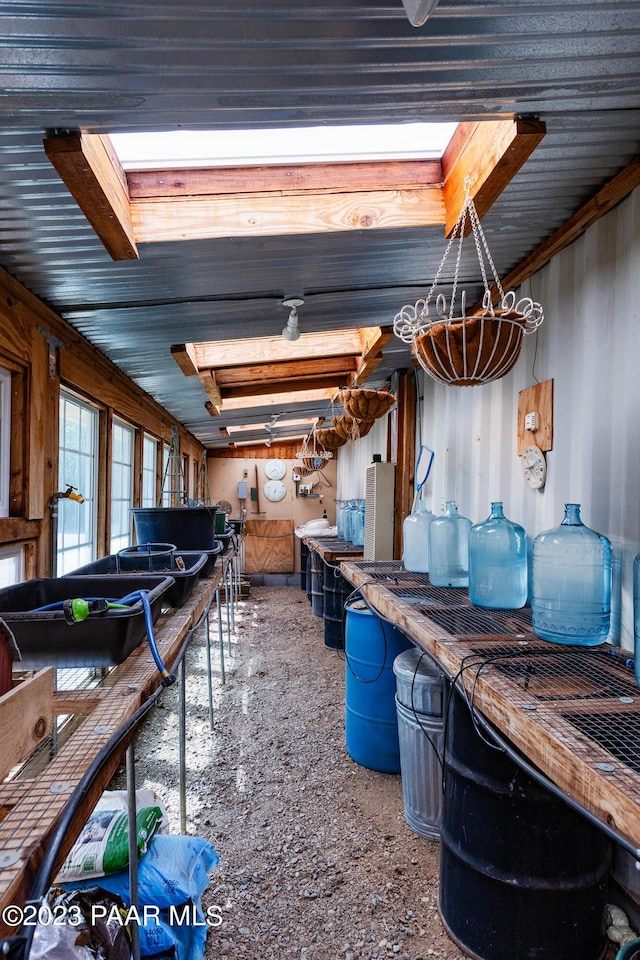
371, 724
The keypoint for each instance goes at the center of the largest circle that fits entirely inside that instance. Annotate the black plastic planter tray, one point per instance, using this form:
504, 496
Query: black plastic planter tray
46, 639
212, 556
176, 595
236, 524
225, 538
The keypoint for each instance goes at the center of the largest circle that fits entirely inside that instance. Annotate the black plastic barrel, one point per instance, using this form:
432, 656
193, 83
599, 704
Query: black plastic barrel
304, 553
317, 584
336, 591
522, 875
309, 555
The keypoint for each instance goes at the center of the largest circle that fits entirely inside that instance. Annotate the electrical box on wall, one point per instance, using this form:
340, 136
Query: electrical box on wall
242, 490
535, 417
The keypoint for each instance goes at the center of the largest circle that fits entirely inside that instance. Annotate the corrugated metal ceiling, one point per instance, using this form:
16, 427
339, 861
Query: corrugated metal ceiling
115, 66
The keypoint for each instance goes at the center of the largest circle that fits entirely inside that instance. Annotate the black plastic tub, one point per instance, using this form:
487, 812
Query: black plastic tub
225, 538
190, 528
212, 557
45, 638
236, 524
147, 557
185, 580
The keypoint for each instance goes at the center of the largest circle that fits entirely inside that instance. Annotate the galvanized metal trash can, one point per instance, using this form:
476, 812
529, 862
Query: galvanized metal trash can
420, 697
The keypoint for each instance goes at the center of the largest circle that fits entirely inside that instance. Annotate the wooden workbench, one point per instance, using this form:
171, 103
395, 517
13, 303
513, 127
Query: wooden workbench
573, 712
332, 550
31, 808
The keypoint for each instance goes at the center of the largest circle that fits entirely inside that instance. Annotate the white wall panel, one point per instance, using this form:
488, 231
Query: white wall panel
354, 458
589, 344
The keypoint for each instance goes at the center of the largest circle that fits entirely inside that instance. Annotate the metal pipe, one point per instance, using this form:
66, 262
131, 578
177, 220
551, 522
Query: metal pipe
182, 746
133, 847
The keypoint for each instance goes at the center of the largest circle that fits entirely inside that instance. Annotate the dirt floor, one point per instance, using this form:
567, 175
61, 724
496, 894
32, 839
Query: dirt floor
316, 860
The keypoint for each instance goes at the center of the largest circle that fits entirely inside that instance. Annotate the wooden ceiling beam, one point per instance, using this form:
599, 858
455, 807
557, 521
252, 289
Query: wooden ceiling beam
490, 152
185, 356
374, 340
200, 218
318, 382
604, 200
232, 353
88, 166
285, 179
286, 370
208, 381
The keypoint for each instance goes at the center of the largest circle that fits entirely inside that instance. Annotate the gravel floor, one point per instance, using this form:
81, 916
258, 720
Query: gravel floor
316, 860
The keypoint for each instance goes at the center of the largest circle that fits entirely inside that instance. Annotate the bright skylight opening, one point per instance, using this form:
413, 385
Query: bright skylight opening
324, 144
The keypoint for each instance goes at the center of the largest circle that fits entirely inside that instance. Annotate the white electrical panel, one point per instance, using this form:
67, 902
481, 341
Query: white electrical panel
379, 511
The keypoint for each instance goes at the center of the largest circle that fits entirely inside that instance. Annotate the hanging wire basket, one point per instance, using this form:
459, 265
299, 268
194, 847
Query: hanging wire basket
468, 350
329, 439
348, 428
363, 404
312, 454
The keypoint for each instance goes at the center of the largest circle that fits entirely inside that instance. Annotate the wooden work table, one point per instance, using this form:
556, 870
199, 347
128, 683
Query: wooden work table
332, 550
30, 807
572, 712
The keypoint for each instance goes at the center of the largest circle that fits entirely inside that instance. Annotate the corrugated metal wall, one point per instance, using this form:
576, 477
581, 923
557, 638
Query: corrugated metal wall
589, 344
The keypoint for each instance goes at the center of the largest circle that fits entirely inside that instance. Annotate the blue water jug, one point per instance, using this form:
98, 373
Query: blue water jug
340, 504
497, 562
357, 524
571, 583
415, 539
346, 520
449, 548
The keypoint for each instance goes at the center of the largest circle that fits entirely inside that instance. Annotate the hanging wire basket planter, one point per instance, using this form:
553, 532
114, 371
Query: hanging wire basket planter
363, 404
468, 350
348, 428
312, 454
329, 439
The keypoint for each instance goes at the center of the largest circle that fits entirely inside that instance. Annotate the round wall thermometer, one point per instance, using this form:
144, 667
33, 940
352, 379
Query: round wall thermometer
275, 469
534, 467
275, 490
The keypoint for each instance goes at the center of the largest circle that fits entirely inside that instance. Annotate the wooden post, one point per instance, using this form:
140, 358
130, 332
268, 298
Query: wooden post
405, 453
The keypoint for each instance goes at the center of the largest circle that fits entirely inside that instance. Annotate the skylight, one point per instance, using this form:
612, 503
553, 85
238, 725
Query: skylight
323, 144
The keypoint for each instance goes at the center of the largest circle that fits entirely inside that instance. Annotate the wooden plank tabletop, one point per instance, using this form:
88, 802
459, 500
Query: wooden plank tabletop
333, 550
573, 712
30, 814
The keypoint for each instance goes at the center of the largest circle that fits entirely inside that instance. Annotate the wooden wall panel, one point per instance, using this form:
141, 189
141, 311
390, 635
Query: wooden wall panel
268, 546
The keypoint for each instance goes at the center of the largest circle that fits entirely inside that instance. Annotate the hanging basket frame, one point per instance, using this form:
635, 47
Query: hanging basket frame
461, 349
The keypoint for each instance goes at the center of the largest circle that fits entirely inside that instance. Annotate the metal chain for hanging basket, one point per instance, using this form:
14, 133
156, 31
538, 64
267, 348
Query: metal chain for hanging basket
468, 350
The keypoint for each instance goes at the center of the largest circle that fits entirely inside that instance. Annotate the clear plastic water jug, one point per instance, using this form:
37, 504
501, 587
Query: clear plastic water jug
571, 583
340, 504
349, 508
449, 548
357, 524
498, 562
415, 539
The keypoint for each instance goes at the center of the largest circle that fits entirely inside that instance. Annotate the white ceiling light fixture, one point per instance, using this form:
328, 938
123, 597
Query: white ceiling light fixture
292, 329
419, 11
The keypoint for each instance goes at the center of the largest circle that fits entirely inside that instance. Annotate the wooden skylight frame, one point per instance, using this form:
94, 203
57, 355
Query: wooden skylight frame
129, 208
256, 369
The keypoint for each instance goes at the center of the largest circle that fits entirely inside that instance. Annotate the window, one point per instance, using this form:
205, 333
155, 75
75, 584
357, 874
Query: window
149, 454
11, 566
5, 435
76, 540
122, 437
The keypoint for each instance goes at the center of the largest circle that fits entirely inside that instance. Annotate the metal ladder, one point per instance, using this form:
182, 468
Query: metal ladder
173, 484
202, 482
